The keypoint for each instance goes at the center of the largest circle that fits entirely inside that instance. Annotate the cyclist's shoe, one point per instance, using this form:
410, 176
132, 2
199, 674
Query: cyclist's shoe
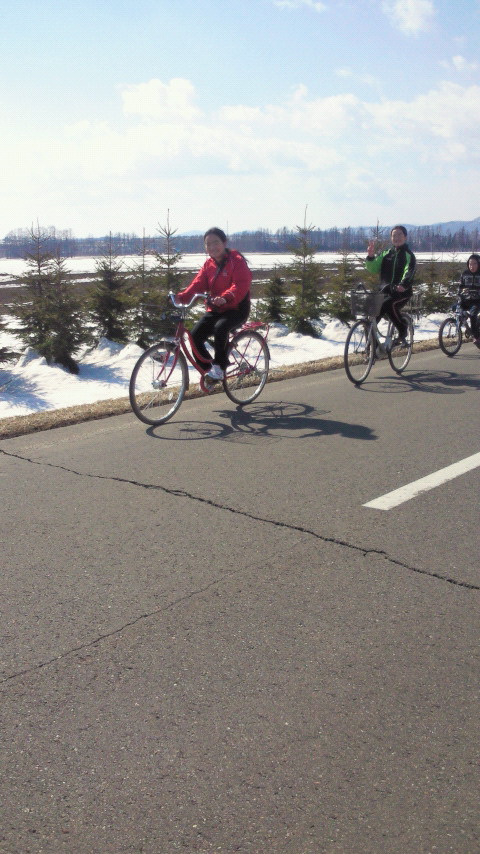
216, 372
476, 341
400, 342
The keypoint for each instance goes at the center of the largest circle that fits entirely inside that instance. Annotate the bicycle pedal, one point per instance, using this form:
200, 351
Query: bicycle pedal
210, 384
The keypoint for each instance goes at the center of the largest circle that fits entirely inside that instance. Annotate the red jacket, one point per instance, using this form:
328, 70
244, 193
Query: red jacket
231, 281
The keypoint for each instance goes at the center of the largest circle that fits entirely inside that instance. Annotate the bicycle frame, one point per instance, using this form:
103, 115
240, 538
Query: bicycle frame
382, 342
365, 343
160, 376
454, 328
462, 316
182, 336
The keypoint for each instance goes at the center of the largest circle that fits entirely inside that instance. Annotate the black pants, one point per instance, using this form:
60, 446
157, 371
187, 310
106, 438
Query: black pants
391, 308
474, 309
472, 305
218, 326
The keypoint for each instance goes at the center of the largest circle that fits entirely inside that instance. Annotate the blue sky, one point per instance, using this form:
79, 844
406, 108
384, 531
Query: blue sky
238, 113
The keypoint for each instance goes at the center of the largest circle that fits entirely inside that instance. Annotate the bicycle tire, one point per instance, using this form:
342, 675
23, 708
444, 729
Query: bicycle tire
399, 356
158, 383
247, 372
450, 336
359, 352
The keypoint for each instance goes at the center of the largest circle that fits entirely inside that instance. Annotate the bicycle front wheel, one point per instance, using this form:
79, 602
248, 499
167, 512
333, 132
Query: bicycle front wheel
247, 371
399, 355
158, 383
359, 352
450, 336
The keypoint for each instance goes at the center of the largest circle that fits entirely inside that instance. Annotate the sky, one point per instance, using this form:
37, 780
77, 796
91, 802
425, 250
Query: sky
243, 114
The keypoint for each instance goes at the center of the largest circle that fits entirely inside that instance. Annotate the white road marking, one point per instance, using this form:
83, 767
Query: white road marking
411, 490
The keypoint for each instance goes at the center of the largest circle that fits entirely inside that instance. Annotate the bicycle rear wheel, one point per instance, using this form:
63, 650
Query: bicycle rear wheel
399, 355
247, 372
158, 383
359, 352
450, 336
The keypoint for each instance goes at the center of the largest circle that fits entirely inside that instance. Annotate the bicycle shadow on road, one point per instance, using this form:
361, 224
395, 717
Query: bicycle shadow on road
273, 421
431, 382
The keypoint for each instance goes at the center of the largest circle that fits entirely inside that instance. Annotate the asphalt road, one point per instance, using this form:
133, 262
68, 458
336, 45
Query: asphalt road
209, 643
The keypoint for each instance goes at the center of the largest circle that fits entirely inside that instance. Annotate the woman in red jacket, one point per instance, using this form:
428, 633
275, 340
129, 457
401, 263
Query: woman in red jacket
225, 276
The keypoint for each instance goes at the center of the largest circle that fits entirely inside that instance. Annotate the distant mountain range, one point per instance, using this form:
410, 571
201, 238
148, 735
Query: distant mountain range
457, 225
440, 227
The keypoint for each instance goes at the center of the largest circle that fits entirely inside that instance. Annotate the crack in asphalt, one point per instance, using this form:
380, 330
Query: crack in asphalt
182, 493
118, 631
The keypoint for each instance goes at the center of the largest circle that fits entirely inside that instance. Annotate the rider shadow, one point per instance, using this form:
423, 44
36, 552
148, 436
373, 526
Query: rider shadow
431, 382
272, 421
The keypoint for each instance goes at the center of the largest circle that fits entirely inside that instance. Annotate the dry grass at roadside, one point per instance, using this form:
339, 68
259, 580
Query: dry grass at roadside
20, 425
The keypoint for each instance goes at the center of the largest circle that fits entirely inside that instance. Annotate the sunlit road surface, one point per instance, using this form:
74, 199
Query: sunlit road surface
211, 643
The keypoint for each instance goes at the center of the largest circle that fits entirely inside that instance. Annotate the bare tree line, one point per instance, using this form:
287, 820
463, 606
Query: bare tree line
62, 242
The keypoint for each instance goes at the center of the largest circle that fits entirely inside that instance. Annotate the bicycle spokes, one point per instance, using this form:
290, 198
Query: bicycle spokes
247, 371
401, 350
158, 383
359, 352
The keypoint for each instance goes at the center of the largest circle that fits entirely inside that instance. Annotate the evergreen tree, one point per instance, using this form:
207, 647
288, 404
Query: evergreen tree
451, 272
435, 297
110, 300
51, 317
340, 286
6, 354
381, 237
167, 261
305, 274
273, 308
442, 280
150, 299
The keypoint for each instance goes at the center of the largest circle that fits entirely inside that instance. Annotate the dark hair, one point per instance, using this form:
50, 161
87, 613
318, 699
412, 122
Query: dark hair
401, 227
476, 256
217, 232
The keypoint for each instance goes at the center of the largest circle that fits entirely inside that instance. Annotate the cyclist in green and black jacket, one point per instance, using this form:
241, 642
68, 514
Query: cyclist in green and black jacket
397, 269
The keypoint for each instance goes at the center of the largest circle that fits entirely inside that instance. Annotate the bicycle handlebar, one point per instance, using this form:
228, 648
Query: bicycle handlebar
188, 304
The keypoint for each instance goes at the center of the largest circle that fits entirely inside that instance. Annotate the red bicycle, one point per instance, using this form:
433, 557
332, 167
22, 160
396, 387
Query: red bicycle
160, 378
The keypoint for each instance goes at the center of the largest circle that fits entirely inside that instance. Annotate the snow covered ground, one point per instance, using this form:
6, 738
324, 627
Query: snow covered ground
31, 385
10, 267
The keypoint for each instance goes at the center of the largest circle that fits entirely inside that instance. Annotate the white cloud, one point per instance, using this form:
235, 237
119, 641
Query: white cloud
368, 79
410, 16
460, 64
304, 134
339, 150
319, 118
161, 101
437, 121
300, 4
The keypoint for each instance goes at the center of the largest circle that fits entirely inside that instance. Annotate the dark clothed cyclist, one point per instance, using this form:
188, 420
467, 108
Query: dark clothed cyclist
470, 280
396, 267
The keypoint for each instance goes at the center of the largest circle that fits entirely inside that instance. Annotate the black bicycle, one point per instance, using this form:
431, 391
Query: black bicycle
457, 327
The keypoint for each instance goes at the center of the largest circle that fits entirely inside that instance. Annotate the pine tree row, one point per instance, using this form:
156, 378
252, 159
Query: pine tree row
131, 304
